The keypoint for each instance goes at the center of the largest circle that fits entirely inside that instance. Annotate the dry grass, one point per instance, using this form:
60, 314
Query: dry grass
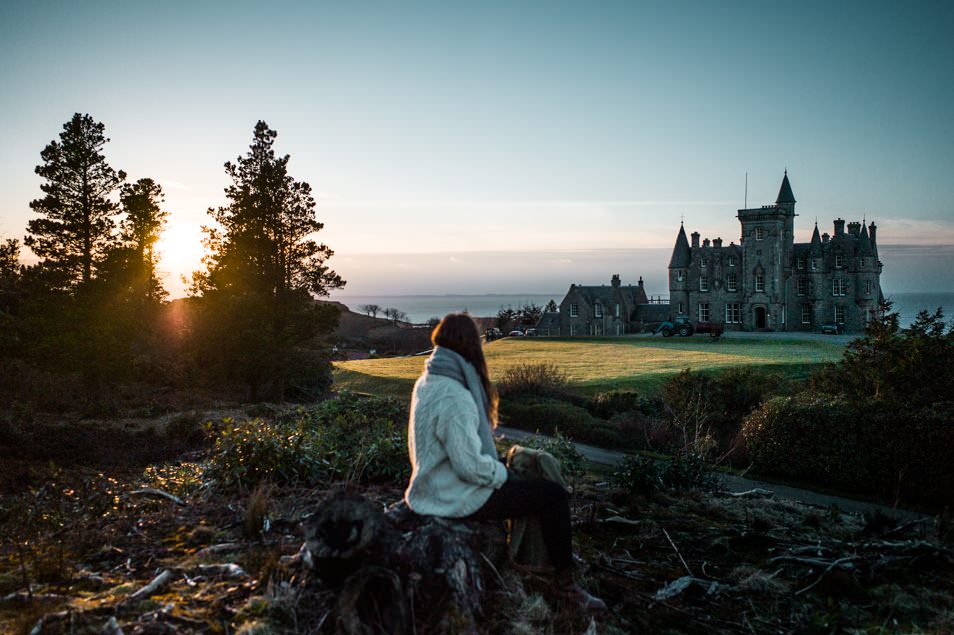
594, 365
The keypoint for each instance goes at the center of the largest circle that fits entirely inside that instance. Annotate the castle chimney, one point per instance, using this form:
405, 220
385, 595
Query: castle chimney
615, 281
854, 228
717, 243
705, 243
872, 228
825, 237
695, 239
640, 281
839, 226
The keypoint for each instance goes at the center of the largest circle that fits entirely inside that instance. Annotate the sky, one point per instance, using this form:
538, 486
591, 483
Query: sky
499, 147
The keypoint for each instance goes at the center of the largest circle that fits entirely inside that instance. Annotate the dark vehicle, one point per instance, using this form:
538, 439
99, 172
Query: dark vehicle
832, 329
684, 327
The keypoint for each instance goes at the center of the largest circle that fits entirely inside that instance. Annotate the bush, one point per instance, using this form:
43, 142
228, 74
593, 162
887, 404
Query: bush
534, 380
606, 405
709, 409
900, 455
547, 415
689, 470
350, 438
637, 476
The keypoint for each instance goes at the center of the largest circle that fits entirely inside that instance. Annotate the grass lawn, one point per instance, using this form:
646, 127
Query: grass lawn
597, 364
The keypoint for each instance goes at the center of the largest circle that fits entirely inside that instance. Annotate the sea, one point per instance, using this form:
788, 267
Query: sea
421, 308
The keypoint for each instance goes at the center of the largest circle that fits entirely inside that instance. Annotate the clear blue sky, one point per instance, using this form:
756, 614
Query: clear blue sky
441, 131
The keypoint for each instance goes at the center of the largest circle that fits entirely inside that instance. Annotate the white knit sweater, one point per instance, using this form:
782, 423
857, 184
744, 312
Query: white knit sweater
450, 476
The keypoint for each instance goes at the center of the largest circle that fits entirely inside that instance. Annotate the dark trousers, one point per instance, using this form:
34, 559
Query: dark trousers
544, 499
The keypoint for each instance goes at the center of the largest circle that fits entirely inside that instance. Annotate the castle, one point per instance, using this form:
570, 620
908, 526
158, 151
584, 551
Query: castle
766, 282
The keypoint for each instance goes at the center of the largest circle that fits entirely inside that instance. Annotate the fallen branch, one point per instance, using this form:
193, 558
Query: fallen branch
619, 520
833, 565
219, 548
151, 491
157, 582
676, 549
844, 563
752, 493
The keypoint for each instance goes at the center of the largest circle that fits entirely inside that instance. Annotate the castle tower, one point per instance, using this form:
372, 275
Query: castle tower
768, 234
679, 274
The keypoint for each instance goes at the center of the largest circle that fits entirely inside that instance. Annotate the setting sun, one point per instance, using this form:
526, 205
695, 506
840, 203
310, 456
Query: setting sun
180, 252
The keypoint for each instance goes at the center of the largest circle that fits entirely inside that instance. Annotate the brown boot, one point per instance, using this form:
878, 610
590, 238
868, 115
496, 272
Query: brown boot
568, 589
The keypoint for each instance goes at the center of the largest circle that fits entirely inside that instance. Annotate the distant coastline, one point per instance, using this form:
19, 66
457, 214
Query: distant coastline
422, 307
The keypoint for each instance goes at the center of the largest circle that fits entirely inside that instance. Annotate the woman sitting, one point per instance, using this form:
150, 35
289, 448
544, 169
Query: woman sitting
456, 472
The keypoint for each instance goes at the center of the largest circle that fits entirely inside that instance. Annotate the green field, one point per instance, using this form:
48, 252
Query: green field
598, 364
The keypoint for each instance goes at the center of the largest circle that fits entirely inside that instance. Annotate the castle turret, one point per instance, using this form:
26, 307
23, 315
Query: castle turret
679, 274
681, 254
815, 249
786, 198
864, 243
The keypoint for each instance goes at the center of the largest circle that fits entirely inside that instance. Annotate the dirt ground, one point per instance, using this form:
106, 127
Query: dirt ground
150, 545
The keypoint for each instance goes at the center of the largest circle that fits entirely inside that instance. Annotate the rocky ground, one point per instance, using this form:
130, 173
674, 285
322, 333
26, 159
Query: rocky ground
162, 550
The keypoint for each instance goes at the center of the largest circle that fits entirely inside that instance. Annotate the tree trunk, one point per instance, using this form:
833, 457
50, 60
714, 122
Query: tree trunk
395, 567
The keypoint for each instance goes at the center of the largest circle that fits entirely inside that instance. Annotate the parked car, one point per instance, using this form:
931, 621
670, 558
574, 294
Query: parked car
515, 333
832, 328
530, 332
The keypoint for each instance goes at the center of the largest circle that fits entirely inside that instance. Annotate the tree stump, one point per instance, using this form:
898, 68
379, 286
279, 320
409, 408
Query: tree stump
397, 567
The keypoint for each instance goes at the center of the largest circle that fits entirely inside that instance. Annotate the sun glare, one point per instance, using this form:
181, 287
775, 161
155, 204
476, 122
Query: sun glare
180, 249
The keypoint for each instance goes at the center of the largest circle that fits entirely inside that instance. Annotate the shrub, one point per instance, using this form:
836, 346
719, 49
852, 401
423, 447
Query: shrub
708, 410
689, 470
534, 380
897, 454
547, 415
606, 405
350, 438
637, 476
816, 438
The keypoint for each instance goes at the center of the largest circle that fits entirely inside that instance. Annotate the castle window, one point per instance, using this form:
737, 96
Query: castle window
598, 310
840, 314
759, 233
863, 262
702, 263
759, 283
733, 313
839, 261
574, 310
703, 311
868, 287
806, 314
680, 308
732, 282
801, 262
680, 275
803, 286
572, 330
839, 286
814, 264
703, 283
731, 261
616, 312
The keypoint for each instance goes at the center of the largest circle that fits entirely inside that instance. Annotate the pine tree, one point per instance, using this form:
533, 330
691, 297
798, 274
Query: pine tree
262, 271
76, 228
140, 229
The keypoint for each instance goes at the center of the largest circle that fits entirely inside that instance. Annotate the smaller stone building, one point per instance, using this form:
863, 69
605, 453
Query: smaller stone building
602, 310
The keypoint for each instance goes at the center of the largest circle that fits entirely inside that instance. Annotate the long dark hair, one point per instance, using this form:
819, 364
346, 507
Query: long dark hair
458, 332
